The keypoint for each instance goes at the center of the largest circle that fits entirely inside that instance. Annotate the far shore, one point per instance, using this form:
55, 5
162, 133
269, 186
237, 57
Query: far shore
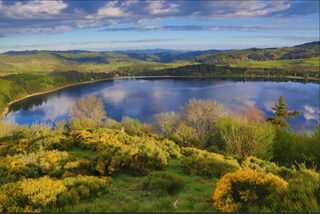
6, 109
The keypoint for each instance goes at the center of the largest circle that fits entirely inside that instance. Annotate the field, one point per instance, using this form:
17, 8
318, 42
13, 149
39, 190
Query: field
312, 63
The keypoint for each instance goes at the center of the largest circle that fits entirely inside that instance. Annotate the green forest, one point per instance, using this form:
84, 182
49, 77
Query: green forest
15, 86
198, 159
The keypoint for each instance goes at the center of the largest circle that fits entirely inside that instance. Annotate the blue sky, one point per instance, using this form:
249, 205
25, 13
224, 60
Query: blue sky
184, 25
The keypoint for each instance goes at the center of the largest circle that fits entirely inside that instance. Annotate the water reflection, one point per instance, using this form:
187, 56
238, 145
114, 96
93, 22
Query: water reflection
142, 98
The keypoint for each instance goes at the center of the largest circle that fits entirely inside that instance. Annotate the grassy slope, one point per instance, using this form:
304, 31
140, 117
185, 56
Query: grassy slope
46, 62
299, 57
125, 195
287, 63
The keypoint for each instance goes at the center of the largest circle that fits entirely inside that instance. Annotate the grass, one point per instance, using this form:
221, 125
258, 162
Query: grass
126, 195
308, 62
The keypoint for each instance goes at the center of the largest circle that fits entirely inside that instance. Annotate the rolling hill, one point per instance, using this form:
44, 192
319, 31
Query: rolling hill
304, 56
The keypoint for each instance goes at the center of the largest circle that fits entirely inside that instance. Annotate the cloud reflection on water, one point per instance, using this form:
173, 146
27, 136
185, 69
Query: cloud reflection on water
143, 99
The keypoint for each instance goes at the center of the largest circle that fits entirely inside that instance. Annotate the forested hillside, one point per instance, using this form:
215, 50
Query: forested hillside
16, 86
307, 50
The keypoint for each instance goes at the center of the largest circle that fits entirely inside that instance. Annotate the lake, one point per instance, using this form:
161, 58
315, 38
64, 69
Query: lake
143, 98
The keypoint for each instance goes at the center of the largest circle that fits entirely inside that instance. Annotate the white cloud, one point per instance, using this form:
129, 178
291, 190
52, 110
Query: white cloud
159, 8
117, 96
110, 9
33, 9
244, 9
311, 113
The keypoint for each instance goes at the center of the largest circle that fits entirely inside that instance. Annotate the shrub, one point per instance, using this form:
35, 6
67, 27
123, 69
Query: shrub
33, 165
86, 186
58, 142
303, 193
290, 148
244, 189
131, 126
112, 124
30, 195
26, 139
246, 138
163, 183
266, 167
185, 135
166, 122
82, 123
90, 110
170, 147
36, 195
77, 167
238, 191
200, 162
6, 128
117, 150
138, 158
202, 115
146, 128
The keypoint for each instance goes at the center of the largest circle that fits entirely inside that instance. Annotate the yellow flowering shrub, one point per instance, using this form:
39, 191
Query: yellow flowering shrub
30, 195
33, 164
85, 186
36, 195
118, 150
76, 167
238, 191
30, 139
200, 162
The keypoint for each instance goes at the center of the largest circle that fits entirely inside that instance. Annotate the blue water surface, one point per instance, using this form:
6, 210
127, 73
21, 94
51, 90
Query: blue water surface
143, 98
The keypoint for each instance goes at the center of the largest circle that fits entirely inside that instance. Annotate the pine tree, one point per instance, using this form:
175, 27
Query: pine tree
281, 114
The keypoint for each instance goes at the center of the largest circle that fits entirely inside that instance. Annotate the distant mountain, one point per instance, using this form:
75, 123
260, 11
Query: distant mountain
303, 51
309, 45
37, 51
168, 56
149, 51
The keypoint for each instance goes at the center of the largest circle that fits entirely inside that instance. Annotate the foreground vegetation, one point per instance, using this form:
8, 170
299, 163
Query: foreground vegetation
206, 160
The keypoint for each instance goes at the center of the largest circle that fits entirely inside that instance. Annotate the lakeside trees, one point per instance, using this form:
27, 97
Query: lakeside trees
281, 114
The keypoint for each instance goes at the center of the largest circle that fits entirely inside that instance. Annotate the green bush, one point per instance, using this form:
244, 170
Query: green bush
303, 193
267, 167
185, 135
201, 162
290, 148
131, 126
246, 138
82, 123
163, 183
112, 124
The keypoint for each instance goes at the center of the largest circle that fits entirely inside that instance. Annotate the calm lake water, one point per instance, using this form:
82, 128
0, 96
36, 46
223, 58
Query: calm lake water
143, 98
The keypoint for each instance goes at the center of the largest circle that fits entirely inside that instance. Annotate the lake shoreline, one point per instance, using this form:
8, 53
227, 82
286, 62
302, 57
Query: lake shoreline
7, 108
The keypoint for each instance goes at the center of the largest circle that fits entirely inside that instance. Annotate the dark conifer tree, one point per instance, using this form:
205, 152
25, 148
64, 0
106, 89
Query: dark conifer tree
281, 114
